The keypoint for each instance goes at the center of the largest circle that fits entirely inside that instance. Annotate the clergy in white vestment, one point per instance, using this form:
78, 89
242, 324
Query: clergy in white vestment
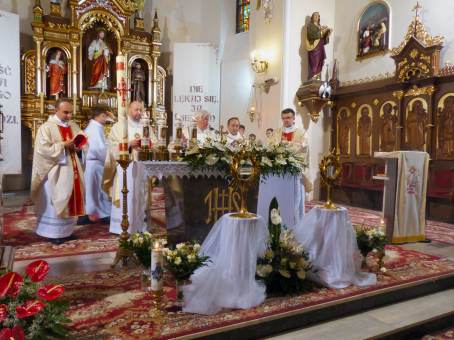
233, 131
296, 137
204, 130
57, 185
97, 202
136, 174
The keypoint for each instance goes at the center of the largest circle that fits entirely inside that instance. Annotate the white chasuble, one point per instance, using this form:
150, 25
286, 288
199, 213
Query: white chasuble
136, 181
409, 218
97, 201
57, 186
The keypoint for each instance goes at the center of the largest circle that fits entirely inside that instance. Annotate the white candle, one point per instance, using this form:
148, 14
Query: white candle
157, 270
121, 103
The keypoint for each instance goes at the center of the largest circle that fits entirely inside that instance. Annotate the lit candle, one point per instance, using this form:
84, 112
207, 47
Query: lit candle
157, 272
121, 104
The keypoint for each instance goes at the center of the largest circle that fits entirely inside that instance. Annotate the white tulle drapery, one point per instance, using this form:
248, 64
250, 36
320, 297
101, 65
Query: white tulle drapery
228, 281
289, 192
329, 238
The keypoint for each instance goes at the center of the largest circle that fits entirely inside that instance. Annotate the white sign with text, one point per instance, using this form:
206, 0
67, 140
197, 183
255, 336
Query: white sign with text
10, 138
196, 82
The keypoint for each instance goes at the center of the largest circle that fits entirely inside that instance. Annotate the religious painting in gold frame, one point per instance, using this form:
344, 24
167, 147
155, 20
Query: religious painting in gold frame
417, 119
99, 48
344, 131
445, 127
373, 30
388, 126
364, 131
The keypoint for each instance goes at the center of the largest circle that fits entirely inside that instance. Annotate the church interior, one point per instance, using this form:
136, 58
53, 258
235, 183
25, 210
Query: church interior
218, 169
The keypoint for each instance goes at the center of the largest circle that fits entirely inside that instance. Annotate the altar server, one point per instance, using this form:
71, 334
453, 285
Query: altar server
233, 127
57, 185
136, 175
98, 205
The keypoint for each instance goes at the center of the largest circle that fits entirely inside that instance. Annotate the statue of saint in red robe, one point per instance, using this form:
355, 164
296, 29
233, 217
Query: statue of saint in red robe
57, 70
316, 39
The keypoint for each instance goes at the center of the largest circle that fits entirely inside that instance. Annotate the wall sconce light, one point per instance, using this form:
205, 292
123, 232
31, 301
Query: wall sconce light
252, 113
258, 61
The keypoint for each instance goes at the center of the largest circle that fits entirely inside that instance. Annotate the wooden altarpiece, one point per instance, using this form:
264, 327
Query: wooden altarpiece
63, 62
410, 110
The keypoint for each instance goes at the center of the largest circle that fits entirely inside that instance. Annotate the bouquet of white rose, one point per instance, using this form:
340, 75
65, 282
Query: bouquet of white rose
284, 266
276, 159
140, 244
370, 238
183, 260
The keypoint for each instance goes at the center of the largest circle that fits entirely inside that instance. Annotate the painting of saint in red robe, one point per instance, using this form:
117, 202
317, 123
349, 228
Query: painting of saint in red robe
56, 72
99, 54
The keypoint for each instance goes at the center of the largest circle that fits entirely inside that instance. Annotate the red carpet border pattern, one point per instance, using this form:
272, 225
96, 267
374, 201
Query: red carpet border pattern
110, 305
20, 223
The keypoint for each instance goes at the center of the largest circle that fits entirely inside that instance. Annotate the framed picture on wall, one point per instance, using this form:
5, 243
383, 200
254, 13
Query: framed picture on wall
373, 30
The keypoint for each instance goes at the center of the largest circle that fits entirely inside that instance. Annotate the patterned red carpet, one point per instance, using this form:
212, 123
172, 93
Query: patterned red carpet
443, 335
110, 305
19, 226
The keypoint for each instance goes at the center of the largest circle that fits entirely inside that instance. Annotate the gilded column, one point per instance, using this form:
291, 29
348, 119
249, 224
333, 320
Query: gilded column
155, 53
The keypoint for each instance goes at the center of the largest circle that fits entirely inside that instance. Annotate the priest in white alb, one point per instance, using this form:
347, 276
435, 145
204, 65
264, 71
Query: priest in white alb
136, 174
289, 190
97, 202
57, 186
233, 131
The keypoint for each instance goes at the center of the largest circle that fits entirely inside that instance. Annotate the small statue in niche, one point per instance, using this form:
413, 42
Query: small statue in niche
364, 132
316, 39
343, 126
56, 71
138, 83
388, 124
416, 126
446, 127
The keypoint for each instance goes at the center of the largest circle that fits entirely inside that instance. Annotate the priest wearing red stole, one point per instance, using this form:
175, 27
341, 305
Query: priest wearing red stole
295, 137
57, 186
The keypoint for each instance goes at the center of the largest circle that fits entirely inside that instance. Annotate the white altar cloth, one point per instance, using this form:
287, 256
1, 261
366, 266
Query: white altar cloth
329, 238
228, 281
289, 192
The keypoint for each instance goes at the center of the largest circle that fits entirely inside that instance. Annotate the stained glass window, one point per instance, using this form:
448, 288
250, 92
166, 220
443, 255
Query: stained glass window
243, 10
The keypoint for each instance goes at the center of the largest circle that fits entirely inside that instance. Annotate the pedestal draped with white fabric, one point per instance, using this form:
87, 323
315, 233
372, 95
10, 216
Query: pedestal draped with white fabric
136, 179
228, 281
289, 192
329, 238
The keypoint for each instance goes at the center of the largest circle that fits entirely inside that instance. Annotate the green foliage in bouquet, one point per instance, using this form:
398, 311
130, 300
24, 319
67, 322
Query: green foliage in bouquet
277, 159
183, 260
30, 309
140, 244
284, 266
369, 238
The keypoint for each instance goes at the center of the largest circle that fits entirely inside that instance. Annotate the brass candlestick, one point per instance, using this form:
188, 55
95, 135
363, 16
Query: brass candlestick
122, 253
330, 170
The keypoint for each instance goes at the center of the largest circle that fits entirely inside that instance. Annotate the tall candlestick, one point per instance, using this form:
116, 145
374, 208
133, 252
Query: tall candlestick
41, 104
157, 272
121, 104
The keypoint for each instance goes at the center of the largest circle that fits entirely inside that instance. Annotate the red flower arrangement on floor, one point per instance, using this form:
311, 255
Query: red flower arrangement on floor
29, 309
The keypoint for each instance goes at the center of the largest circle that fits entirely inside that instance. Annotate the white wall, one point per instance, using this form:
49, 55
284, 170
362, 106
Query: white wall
436, 16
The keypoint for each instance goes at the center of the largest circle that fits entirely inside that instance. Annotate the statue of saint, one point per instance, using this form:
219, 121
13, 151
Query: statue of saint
416, 126
316, 39
343, 132
138, 83
56, 71
99, 54
446, 128
364, 132
388, 124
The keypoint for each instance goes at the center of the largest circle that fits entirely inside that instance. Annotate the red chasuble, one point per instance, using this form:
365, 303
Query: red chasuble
76, 201
287, 136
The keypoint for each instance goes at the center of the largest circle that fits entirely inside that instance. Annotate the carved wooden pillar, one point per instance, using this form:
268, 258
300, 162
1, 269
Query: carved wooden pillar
399, 126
